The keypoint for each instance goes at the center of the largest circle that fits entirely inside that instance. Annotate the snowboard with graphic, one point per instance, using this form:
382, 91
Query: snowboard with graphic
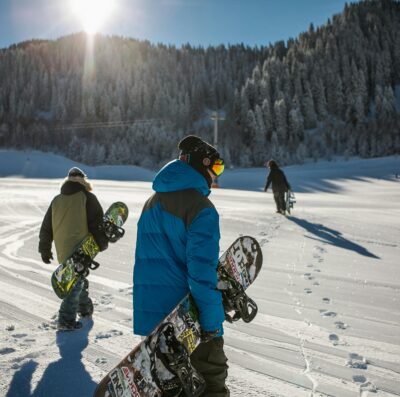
81, 260
160, 364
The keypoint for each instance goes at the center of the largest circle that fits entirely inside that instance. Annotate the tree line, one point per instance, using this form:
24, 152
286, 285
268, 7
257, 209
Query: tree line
333, 90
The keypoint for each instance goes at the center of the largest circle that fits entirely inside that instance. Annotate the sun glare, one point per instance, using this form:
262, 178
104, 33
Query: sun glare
92, 13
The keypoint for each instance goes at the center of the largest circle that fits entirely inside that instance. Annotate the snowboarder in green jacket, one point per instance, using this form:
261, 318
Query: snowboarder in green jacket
72, 214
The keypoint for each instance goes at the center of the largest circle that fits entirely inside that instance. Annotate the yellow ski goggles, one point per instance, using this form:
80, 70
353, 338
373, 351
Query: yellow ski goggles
218, 167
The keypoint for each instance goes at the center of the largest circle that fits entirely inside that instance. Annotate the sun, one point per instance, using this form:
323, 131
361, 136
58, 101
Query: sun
92, 13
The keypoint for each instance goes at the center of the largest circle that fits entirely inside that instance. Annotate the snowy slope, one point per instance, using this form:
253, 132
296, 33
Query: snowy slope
328, 295
35, 164
306, 178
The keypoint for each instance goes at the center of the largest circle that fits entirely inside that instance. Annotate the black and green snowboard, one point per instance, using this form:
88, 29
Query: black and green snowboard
160, 365
81, 261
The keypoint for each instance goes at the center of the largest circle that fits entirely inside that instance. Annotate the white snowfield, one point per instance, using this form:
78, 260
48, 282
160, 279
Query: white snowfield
328, 293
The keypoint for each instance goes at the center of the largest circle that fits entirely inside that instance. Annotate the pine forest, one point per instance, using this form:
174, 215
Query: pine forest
333, 90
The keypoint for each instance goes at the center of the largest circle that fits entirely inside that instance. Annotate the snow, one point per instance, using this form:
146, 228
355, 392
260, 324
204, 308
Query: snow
307, 178
35, 164
328, 293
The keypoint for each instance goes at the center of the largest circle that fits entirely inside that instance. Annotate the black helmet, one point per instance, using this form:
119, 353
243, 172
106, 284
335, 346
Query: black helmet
200, 155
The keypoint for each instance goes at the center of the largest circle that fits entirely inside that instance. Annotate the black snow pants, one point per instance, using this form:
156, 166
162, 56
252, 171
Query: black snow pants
210, 360
280, 202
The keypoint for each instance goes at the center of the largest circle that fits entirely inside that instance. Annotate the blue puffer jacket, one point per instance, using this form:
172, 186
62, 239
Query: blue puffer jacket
177, 250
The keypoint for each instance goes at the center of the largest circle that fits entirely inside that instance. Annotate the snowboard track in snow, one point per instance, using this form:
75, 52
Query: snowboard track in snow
290, 349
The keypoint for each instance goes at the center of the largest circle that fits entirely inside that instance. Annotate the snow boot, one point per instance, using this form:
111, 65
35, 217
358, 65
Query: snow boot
70, 326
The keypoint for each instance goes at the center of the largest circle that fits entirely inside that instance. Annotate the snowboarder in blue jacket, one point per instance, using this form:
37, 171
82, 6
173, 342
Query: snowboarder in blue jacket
177, 252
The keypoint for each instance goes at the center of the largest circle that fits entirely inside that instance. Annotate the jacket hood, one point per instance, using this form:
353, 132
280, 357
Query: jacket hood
70, 187
178, 175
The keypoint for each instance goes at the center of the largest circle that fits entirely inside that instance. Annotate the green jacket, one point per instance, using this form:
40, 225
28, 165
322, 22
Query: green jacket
71, 216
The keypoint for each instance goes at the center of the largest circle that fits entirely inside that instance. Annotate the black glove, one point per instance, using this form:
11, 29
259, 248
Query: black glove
103, 244
46, 256
206, 336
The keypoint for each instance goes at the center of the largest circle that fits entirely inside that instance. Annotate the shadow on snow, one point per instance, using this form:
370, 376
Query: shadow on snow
63, 378
330, 236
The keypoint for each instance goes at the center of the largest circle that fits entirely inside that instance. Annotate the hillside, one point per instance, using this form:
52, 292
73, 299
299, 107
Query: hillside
333, 90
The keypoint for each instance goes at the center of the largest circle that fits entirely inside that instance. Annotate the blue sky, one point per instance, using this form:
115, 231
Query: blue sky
198, 22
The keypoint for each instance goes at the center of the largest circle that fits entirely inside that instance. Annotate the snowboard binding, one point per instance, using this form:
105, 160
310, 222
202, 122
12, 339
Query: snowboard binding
236, 300
112, 231
83, 263
175, 358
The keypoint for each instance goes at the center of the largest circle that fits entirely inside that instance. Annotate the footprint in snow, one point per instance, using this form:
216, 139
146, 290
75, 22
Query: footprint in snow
47, 326
10, 327
326, 313
356, 361
368, 386
310, 265
101, 360
315, 283
105, 300
326, 300
29, 344
308, 276
6, 350
341, 325
109, 334
334, 339
127, 290
18, 336
317, 270
359, 378
307, 290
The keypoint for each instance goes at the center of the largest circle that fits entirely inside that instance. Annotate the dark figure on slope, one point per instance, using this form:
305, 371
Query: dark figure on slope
177, 252
280, 185
72, 214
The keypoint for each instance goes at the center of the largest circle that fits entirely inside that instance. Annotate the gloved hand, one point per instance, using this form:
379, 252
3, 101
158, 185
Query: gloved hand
46, 256
206, 336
